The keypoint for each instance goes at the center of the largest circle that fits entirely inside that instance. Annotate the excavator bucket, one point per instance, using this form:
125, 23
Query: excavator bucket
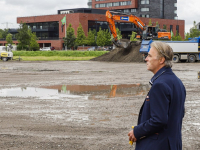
123, 43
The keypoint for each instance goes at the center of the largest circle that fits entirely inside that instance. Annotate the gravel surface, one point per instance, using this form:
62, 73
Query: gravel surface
81, 118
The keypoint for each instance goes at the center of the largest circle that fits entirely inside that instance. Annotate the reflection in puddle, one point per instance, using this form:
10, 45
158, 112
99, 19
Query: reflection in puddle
41, 93
91, 92
100, 92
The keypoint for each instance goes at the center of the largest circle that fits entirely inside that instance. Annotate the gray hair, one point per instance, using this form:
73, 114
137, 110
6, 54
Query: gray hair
164, 50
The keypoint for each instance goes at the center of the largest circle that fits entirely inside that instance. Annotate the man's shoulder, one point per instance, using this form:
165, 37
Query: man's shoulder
169, 79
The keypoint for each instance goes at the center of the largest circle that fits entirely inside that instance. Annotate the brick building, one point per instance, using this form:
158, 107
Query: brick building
50, 31
163, 9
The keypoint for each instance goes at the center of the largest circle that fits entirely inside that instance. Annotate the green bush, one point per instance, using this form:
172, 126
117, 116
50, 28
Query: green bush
60, 53
20, 47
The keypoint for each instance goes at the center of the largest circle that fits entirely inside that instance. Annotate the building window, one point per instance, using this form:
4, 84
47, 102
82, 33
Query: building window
133, 10
177, 28
175, 4
102, 5
144, 1
123, 3
116, 4
128, 2
175, 11
176, 17
171, 28
144, 9
145, 16
97, 6
109, 4
126, 10
89, 0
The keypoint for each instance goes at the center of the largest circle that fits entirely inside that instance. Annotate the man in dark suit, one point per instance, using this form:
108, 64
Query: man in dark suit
160, 117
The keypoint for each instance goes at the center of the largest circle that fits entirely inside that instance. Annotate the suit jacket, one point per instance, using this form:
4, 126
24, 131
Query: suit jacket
160, 118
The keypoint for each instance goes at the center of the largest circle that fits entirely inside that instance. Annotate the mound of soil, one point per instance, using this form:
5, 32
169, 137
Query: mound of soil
129, 54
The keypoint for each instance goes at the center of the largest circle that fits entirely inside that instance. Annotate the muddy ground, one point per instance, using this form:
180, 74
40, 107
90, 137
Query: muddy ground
73, 120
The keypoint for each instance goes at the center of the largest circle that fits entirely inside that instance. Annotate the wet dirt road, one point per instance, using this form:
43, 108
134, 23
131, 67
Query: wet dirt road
83, 105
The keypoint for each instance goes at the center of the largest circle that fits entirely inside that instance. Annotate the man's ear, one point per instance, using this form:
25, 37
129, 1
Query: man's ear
162, 60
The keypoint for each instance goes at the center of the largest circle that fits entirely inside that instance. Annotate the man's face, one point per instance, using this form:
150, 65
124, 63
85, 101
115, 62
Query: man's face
152, 61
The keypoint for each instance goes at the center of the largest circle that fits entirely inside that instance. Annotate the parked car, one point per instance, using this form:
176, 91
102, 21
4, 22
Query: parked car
91, 49
99, 48
52, 48
45, 49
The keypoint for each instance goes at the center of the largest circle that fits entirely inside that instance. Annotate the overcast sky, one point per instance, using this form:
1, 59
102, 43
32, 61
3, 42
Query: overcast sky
11, 9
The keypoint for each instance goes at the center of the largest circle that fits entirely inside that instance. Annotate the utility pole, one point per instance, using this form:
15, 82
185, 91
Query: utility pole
7, 24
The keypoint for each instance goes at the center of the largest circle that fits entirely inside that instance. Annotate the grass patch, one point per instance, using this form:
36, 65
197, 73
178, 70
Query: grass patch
60, 53
52, 58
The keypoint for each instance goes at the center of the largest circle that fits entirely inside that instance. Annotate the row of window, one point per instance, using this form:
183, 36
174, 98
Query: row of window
129, 10
113, 4
135, 10
144, 1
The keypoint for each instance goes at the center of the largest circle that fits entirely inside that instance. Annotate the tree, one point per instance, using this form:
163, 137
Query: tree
101, 39
157, 24
9, 39
81, 38
23, 35
1, 36
71, 38
187, 36
91, 38
132, 36
34, 46
165, 26
194, 32
119, 35
150, 23
3, 33
107, 37
176, 37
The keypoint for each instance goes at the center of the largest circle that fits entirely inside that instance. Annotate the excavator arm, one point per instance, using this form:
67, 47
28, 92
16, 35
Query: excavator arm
128, 18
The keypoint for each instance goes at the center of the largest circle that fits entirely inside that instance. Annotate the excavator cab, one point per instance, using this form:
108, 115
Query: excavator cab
150, 33
154, 32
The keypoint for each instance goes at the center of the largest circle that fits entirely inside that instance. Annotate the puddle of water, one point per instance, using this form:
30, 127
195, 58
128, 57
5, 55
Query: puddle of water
41, 93
97, 92
90, 92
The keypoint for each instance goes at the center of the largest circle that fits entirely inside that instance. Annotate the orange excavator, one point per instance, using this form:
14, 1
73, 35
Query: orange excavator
150, 32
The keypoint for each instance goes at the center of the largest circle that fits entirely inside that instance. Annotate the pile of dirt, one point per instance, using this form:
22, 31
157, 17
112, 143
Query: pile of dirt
129, 54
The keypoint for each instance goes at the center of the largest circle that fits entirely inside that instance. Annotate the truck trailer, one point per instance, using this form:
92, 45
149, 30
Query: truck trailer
183, 50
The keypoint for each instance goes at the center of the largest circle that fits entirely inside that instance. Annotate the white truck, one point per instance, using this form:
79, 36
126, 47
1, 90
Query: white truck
183, 50
6, 55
